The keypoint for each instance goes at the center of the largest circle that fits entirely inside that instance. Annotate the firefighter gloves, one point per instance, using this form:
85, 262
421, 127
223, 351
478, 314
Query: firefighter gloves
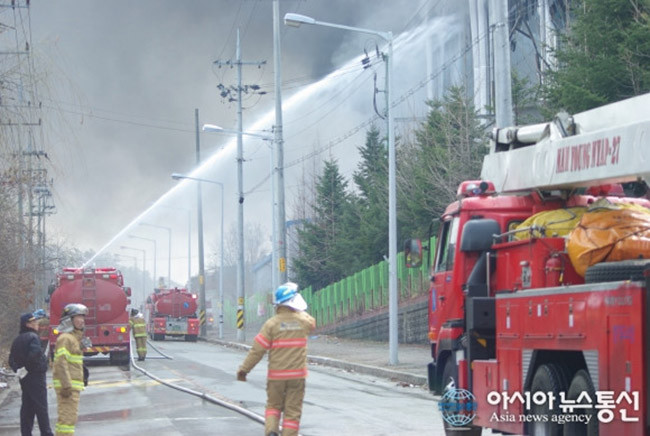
241, 376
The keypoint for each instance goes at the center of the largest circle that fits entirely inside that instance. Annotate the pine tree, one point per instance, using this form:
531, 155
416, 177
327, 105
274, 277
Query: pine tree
448, 149
322, 242
604, 57
371, 179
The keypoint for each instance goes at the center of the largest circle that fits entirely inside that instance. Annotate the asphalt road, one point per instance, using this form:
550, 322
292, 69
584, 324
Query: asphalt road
337, 402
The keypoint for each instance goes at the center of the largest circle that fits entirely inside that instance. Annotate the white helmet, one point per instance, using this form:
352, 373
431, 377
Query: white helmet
73, 309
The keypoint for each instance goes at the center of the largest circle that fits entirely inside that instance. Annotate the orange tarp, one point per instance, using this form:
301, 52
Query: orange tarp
610, 232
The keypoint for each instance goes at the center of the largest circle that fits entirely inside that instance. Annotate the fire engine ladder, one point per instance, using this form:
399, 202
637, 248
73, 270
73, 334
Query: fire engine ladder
89, 299
605, 145
176, 305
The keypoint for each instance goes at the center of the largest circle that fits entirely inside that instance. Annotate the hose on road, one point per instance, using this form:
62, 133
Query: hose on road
157, 351
235, 408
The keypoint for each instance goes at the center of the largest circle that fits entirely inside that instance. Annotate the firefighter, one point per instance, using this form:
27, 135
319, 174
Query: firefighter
27, 359
68, 375
284, 336
139, 331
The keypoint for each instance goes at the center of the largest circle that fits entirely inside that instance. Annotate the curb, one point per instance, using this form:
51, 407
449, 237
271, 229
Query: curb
400, 376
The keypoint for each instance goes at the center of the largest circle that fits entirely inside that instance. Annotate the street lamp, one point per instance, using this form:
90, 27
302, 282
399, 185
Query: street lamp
144, 268
135, 259
275, 208
135, 263
169, 259
155, 251
241, 295
295, 20
189, 239
177, 176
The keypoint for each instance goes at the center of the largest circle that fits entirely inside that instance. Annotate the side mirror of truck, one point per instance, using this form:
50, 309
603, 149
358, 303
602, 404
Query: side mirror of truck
413, 253
127, 291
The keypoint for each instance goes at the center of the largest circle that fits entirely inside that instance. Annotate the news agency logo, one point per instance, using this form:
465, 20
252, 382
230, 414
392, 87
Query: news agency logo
458, 407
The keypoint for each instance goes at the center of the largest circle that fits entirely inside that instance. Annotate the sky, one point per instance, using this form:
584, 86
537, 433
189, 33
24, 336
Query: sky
120, 81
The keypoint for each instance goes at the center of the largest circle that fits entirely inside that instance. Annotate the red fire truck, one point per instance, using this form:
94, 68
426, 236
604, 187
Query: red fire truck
511, 320
172, 312
107, 323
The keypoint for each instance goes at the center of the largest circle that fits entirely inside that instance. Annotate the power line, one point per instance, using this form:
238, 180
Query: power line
115, 120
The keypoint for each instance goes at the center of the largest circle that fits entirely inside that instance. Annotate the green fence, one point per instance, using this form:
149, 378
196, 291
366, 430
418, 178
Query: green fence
366, 290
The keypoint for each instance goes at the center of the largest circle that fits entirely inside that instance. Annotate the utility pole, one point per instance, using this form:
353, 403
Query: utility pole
280, 246
502, 81
199, 212
241, 294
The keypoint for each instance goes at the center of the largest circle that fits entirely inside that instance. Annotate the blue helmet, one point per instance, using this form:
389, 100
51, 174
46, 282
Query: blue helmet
285, 292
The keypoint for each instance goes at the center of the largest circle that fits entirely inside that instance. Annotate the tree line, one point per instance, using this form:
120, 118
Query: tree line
603, 57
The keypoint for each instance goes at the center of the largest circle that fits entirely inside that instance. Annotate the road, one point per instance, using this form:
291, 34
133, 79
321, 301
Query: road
119, 401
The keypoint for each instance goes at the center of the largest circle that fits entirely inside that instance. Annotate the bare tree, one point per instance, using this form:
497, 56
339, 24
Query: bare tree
256, 245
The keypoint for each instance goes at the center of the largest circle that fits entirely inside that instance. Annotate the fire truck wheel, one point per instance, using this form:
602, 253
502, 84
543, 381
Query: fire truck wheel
582, 383
615, 271
548, 378
119, 358
449, 373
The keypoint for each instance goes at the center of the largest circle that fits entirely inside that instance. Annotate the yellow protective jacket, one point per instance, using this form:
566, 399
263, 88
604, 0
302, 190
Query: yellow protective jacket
138, 326
284, 336
68, 362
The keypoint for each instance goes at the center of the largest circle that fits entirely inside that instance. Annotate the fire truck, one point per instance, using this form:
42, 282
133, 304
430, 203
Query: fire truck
172, 312
107, 323
542, 346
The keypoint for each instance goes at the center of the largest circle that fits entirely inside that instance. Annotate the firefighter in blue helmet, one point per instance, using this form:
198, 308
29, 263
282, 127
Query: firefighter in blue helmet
28, 360
284, 336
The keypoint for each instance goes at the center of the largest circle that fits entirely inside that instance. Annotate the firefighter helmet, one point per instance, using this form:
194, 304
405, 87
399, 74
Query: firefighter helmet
40, 313
134, 312
74, 309
285, 292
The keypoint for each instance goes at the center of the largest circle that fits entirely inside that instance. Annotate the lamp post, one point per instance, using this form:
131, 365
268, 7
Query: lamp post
296, 20
189, 239
241, 296
144, 268
135, 263
155, 251
135, 259
169, 259
177, 176
275, 270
